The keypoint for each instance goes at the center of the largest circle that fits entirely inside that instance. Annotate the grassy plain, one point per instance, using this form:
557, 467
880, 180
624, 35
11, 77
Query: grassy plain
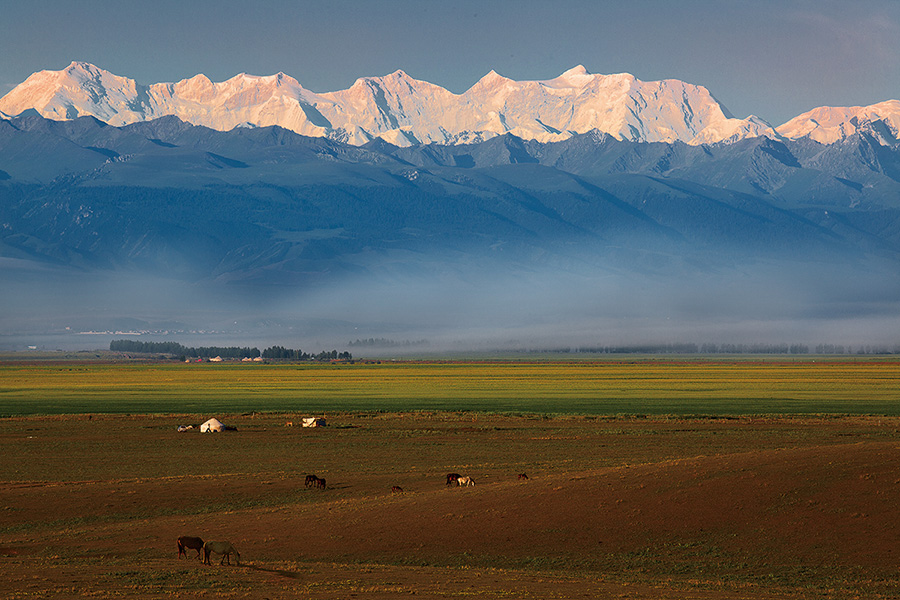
721, 387
628, 495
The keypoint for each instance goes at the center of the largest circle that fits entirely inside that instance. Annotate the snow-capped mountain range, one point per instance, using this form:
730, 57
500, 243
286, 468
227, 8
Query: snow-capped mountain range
405, 111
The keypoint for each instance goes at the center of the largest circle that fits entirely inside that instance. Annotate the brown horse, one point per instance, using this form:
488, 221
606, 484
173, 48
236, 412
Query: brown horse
223, 548
318, 482
396, 489
523, 476
452, 478
186, 541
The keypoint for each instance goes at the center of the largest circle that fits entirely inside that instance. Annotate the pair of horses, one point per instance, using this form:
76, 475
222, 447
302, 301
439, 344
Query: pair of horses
226, 549
459, 480
313, 481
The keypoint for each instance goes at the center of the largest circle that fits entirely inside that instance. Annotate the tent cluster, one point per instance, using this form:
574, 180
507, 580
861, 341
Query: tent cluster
213, 425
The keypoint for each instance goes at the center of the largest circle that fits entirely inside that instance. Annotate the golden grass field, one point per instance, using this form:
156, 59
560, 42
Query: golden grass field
585, 387
705, 496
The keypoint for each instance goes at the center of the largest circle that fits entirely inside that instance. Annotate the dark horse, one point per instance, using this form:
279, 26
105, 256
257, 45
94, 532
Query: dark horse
310, 480
186, 541
452, 478
523, 476
396, 489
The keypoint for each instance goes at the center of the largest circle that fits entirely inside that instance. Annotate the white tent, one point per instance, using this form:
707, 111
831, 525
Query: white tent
313, 422
212, 425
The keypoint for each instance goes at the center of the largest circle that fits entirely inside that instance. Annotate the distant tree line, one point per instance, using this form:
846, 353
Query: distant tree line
732, 349
754, 349
178, 349
282, 353
385, 343
866, 349
700, 349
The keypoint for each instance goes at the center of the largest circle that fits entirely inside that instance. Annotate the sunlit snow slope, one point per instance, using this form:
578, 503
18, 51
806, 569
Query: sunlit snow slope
398, 108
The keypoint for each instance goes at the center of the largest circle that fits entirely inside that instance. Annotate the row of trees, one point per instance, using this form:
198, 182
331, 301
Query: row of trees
176, 349
735, 349
386, 343
282, 353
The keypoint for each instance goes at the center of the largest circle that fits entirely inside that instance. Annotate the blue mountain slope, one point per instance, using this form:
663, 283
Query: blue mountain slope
266, 203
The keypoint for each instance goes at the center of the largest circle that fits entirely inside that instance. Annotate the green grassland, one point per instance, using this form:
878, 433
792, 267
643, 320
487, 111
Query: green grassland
653, 387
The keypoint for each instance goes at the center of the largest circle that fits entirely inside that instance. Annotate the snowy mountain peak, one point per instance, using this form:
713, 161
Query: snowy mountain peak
490, 81
577, 76
830, 124
576, 70
397, 107
78, 68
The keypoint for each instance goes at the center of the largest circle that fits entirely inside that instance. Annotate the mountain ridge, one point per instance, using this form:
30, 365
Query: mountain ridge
405, 111
398, 108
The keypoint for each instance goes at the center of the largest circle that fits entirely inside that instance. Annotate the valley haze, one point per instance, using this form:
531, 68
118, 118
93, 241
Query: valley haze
580, 211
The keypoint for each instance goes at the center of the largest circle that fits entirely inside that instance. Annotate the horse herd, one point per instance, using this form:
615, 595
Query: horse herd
226, 549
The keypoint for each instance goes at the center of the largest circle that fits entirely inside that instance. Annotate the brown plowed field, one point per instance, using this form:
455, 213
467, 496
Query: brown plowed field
612, 508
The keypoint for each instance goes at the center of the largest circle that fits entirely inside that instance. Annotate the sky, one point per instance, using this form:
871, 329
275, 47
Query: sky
772, 58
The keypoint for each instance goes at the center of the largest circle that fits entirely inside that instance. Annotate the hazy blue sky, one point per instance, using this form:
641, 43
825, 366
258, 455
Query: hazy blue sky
771, 58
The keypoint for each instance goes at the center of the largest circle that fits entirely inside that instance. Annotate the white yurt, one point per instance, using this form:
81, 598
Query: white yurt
212, 425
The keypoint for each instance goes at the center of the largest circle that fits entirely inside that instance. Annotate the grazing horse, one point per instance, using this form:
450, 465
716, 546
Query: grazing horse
453, 478
523, 476
223, 548
465, 481
318, 482
310, 480
396, 489
186, 541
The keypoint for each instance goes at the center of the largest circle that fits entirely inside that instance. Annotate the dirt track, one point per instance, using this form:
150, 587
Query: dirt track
779, 509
